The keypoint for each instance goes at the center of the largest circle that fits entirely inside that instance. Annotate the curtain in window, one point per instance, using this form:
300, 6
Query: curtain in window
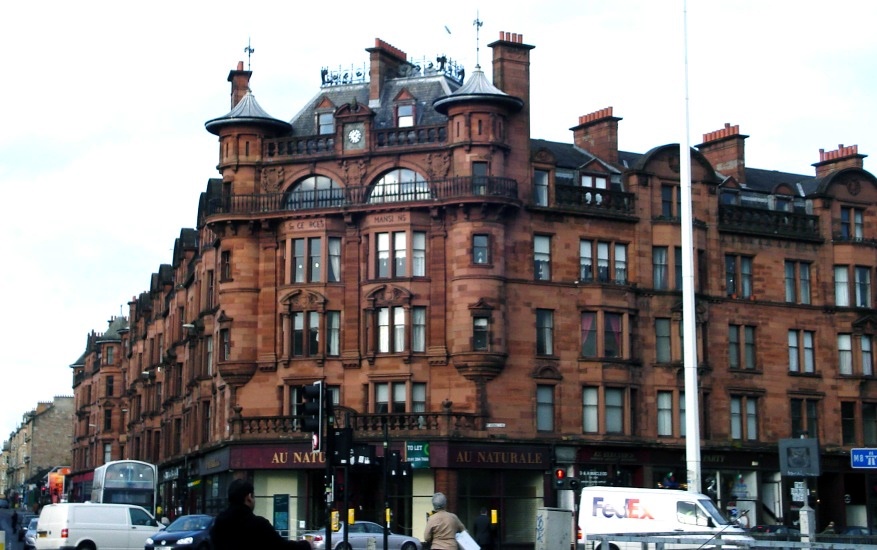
612, 335
665, 413
590, 410
845, 354
659, 267
867, 357
589, 334
841, 286
334, 260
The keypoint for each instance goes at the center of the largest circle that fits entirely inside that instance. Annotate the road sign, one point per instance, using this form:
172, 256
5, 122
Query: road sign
863, 458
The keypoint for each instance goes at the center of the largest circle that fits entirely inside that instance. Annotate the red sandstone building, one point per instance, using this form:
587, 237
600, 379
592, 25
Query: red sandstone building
490, 305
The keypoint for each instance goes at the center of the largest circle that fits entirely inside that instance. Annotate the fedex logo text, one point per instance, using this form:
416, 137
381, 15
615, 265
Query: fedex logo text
632, 509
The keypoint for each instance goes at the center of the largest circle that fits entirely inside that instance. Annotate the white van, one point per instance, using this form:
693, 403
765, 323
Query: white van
633, 511
94, 527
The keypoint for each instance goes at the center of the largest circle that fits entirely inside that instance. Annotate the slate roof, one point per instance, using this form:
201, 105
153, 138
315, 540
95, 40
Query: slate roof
424, 89
757, 180
112, 334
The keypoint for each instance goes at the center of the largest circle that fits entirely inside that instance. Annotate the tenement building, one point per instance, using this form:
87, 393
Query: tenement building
490, 306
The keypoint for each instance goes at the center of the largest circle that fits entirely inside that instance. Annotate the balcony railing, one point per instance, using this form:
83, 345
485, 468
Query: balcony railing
465, 187
291, 147
768, 223
598, 201
397, 425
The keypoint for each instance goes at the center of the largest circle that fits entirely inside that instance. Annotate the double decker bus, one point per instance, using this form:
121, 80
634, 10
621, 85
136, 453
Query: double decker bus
126, 482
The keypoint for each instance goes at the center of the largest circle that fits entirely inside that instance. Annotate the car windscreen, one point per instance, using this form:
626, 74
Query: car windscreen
714, 512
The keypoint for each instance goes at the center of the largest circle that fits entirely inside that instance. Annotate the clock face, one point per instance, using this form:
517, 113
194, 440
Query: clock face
354, 136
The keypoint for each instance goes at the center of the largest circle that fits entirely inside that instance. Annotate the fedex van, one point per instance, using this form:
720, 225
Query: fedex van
628, 511
88, 526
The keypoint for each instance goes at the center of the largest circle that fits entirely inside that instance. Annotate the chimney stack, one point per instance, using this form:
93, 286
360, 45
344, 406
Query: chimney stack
843, 157
384, 63
597, 133
726, 151
240, 83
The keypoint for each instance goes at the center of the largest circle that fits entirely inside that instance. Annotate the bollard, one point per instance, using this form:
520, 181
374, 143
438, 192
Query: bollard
371, 544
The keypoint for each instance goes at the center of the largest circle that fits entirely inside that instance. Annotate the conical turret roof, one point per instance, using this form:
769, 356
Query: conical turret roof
247, 111
478, 89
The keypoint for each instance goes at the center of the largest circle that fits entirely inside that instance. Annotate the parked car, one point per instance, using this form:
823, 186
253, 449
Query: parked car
775, 532
858, 530
358, 537
30, 534
776, 529
192, 531
4, 504
23, 522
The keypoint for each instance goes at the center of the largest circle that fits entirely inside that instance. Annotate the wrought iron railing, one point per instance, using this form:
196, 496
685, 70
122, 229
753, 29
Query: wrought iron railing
463, 187
595, 200
770, 223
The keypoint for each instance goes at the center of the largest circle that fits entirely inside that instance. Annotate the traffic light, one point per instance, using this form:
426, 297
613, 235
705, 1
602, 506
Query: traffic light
313, 396
559, 478
562, 481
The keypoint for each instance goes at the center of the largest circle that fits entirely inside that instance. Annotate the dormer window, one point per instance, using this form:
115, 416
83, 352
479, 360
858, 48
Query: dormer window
326, 123
405, 116
598, 182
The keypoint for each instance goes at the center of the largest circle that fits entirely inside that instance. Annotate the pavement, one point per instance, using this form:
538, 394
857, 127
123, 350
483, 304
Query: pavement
12, 542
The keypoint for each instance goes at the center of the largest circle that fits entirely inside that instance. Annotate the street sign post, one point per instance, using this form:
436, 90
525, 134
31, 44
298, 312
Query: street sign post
863, 458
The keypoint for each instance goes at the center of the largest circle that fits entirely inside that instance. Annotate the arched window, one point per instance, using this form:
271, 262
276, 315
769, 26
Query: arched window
400, 184
314, 192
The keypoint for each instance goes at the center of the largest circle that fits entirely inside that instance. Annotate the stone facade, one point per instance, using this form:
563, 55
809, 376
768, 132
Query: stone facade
513, 302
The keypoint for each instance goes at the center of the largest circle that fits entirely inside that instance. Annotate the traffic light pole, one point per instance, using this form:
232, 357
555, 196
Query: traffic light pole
328, 448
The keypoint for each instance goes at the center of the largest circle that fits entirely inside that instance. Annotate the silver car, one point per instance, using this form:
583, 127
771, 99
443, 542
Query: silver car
30, 536
358, 538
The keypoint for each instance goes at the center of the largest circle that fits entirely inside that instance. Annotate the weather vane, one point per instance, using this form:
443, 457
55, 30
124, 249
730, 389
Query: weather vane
478, 23
249, 51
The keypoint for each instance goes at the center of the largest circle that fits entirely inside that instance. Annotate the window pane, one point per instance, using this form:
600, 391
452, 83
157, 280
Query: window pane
614, 410
315, 262
841, 286
662, 340
333, 333
590, 410
400, 252
334, 274
544, 332
542, 258
665, 413
586, 265
589, 334
398, 329
845, 354
418, 329
612, 337
659, 268
544, 408
383, 266
418, 254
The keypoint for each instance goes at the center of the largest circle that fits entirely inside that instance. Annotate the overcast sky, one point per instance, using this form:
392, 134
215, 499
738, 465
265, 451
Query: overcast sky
103, 151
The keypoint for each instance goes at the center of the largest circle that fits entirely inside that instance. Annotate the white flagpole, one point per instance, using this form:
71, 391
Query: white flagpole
689, 325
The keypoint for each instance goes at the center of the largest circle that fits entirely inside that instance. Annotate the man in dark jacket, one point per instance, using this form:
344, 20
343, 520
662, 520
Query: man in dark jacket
483, 531
238, 527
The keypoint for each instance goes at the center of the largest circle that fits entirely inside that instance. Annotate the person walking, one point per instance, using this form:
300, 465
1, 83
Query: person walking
238, 527
483, 531
442, 526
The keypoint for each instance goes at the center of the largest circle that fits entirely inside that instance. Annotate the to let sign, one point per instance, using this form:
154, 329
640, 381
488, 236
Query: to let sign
863, 458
